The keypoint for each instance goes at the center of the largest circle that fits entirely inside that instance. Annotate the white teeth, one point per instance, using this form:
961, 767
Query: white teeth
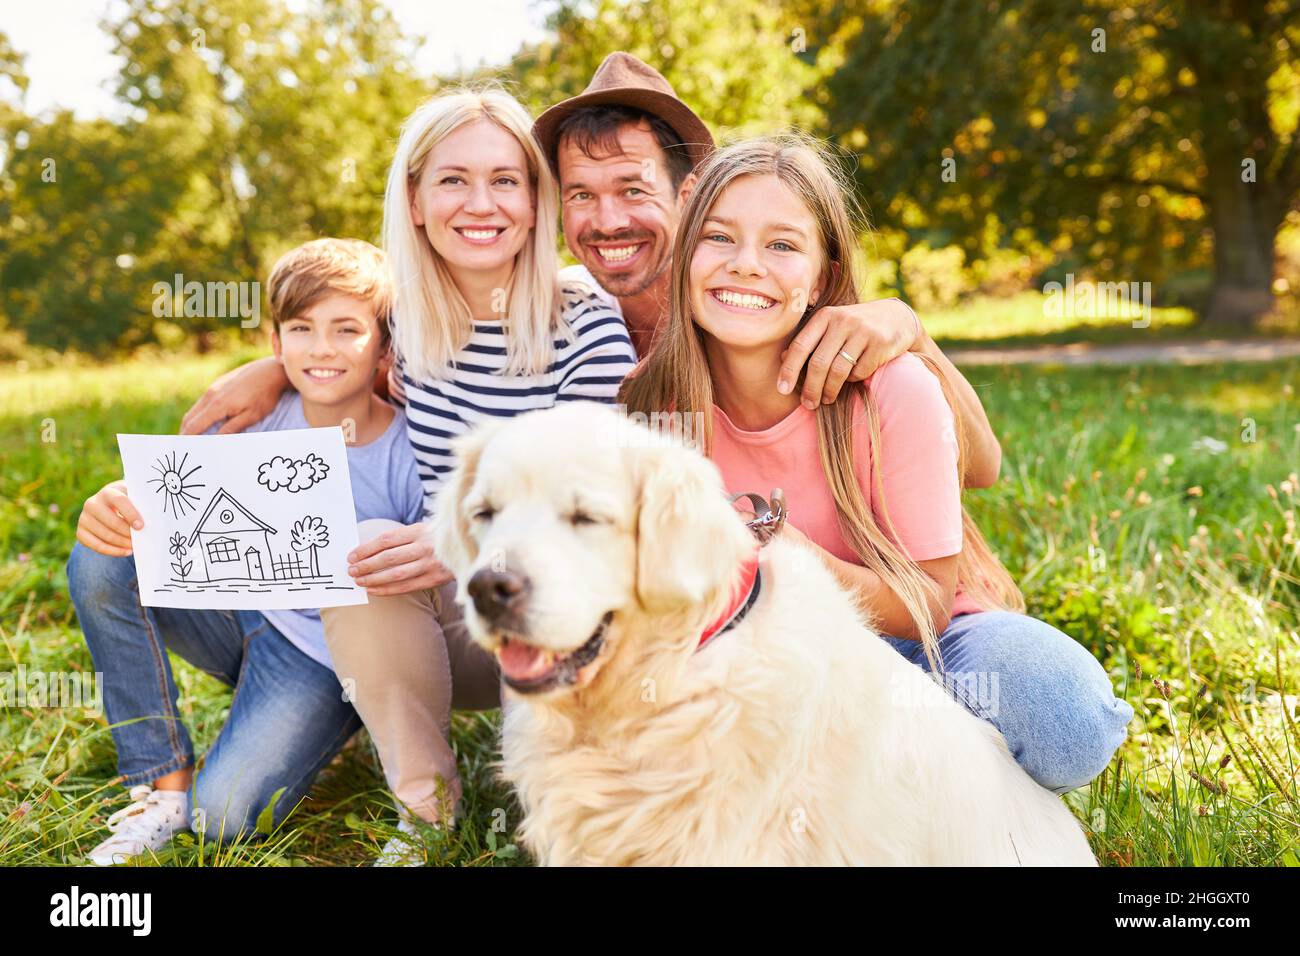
480, 233
618, 254
745, 301
324, 372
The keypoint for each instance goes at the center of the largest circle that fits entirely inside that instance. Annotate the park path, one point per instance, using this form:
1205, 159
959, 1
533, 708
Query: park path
1205, 352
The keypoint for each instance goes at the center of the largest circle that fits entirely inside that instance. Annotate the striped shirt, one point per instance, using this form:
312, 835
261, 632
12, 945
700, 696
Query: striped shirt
590, 368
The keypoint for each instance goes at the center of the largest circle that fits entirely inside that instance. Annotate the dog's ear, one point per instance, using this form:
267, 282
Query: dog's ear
452, 542
689, 537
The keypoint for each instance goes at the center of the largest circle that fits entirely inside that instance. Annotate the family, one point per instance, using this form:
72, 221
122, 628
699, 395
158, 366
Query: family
715, 282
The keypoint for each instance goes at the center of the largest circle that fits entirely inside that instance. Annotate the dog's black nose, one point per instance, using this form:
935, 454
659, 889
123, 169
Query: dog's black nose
498, 593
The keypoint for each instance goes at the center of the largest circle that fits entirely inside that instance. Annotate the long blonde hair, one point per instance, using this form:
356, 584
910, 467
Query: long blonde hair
676, 374
431, 320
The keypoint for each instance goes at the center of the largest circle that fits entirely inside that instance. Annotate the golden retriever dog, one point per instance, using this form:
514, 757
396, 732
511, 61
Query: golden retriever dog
591, 557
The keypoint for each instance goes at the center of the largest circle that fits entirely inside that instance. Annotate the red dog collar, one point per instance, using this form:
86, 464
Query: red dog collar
741, 601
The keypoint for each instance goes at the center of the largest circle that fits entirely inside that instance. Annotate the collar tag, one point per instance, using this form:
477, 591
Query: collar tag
768, 517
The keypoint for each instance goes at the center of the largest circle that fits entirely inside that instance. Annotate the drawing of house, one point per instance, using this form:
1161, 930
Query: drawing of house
233, 541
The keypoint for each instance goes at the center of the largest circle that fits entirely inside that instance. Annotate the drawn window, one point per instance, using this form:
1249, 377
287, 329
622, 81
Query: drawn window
222, 549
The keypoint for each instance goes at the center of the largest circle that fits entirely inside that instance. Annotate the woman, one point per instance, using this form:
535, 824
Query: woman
873, 479
482, 329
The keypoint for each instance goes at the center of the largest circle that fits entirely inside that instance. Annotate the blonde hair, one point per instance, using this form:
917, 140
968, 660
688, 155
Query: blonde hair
304, 275
676, 374
431, 318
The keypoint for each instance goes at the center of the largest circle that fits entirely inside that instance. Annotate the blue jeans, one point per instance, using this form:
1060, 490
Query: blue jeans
287, 718
1048, 695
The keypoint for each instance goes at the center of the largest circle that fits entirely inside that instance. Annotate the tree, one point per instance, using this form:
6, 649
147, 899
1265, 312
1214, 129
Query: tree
13, 91
735, 62
310, 534
301, 106
1116, 131
98, 210
254, 125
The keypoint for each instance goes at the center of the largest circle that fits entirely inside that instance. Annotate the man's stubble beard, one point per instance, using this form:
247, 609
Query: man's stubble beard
620, 289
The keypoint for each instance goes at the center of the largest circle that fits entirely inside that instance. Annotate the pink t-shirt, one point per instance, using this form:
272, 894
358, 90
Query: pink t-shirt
918, 473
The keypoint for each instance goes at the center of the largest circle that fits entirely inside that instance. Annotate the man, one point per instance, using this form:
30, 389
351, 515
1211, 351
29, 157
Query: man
625, 151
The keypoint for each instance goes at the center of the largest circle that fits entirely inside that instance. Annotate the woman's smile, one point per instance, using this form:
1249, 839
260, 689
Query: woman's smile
480, 235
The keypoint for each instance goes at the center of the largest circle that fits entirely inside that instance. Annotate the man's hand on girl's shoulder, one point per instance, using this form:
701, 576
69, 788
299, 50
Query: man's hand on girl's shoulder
871, 333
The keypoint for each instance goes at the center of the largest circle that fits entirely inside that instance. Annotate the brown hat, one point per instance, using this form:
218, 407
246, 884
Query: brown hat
623, 80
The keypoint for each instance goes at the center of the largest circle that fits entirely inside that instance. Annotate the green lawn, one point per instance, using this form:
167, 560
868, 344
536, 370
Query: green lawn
1131, 509
1026, 320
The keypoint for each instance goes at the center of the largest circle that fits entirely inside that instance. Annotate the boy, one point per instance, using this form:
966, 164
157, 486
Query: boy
330, 300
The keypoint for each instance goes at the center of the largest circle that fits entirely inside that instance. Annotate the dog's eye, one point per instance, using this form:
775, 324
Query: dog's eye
579, 518
485, 513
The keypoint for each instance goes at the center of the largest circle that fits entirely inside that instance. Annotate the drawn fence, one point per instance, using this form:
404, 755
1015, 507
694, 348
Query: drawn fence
289, 565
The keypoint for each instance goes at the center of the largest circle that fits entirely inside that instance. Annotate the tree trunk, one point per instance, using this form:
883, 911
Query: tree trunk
1245, 220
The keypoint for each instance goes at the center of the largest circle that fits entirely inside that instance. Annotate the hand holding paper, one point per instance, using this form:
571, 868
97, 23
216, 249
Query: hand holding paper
106, 521
398, 562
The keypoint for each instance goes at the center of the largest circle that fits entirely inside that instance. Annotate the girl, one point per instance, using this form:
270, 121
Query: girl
873, 479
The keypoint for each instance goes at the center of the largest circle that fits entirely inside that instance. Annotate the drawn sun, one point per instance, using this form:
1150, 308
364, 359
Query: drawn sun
174, 485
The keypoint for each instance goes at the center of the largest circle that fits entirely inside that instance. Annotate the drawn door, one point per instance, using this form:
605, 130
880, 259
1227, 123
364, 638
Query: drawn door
254, 560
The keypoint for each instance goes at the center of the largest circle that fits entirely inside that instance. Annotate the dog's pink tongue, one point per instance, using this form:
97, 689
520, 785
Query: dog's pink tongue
523, 661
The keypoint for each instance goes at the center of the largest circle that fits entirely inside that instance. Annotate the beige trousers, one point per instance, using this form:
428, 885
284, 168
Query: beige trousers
405, 661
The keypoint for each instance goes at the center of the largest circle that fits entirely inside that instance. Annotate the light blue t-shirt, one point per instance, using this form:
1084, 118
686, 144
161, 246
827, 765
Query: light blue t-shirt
385, 484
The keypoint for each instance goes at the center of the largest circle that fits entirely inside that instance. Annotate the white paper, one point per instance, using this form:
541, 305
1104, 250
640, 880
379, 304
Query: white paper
260, 520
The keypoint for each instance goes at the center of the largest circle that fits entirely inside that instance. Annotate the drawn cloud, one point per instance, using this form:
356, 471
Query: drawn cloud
293, 475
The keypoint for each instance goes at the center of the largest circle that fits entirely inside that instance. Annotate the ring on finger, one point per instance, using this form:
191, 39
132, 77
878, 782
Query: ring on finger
848, 358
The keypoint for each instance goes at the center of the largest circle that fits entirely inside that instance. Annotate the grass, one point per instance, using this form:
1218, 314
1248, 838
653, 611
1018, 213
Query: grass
1151, 514
1132, 508
1024, 320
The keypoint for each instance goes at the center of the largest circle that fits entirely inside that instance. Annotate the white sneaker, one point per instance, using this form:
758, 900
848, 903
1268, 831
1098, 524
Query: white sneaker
403, 850
146, 824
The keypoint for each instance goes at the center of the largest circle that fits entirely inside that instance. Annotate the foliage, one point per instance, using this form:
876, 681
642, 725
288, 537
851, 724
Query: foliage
1111, 132
734, 61
248, 126
252, 127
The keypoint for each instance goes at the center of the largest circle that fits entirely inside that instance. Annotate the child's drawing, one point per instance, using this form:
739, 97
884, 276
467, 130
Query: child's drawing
240, 546
178, 493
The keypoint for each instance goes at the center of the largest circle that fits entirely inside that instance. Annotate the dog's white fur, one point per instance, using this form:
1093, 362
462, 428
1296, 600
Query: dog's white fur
799, 737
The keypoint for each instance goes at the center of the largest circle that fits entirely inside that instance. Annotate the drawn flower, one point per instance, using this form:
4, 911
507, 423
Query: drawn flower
177, 544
